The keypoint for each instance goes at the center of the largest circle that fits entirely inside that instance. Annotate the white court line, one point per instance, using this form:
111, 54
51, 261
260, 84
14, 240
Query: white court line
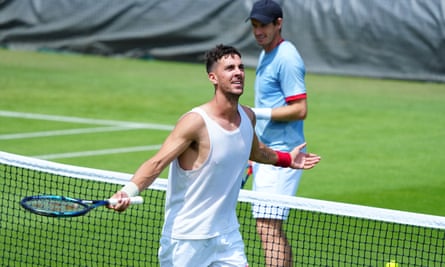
23, 115
112, 126
62, 132
98, 152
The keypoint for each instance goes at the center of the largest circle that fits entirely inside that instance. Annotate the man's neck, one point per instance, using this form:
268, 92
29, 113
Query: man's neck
276, 42
224, 112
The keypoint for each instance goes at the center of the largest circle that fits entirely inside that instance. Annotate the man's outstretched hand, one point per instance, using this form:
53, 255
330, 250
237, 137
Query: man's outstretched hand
303, 160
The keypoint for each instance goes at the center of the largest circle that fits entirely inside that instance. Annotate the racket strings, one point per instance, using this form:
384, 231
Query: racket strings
53, 205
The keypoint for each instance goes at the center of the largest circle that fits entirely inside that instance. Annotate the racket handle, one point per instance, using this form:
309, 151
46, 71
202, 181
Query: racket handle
133, 200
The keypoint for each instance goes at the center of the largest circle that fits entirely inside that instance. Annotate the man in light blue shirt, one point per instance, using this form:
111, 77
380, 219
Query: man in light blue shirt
280, 108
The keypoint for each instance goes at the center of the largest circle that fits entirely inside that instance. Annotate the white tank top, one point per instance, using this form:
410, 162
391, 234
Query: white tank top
201, 203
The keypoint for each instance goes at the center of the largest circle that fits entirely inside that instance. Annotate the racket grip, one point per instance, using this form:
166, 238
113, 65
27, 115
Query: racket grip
133, 200
136, 200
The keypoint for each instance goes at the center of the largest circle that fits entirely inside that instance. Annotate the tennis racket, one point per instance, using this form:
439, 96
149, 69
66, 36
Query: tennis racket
60, 206
248, 174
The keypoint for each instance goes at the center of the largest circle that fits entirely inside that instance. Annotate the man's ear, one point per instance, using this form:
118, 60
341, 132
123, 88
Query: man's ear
212, 78
279, 22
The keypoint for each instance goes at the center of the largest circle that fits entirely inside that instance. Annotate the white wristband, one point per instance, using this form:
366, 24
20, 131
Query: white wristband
263, 113
131, 189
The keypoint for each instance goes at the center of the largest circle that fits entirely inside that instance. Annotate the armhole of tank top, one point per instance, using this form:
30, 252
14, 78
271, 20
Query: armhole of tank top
203, 115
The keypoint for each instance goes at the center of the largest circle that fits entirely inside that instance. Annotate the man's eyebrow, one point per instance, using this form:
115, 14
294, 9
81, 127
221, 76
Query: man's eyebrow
229, 66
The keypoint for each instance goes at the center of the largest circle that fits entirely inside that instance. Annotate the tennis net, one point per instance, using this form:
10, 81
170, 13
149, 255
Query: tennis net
321, 233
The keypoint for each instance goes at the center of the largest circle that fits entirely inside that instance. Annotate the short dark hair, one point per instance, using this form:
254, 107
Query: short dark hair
213, 55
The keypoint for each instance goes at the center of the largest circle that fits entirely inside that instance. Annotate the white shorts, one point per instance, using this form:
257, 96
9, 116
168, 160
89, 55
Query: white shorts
274, 180
223, 250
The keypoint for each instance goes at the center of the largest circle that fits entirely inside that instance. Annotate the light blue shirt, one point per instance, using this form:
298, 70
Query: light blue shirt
280, 79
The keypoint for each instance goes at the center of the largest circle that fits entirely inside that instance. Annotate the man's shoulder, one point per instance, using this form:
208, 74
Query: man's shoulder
194, 117
288, 53
288, 47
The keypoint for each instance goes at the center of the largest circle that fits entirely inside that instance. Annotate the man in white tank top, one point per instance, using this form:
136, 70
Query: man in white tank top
208, 150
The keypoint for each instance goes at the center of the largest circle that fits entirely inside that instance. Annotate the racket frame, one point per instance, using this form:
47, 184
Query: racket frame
87, 205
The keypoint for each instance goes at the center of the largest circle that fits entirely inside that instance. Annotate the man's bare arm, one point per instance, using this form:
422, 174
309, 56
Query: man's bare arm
175, 144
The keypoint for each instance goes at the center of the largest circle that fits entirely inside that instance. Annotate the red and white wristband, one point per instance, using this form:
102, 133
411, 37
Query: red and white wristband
284, 159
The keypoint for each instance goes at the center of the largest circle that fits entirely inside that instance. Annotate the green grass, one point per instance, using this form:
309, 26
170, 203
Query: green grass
381, 140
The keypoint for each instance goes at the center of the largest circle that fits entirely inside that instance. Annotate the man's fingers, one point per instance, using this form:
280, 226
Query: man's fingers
300, 147
311, 160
